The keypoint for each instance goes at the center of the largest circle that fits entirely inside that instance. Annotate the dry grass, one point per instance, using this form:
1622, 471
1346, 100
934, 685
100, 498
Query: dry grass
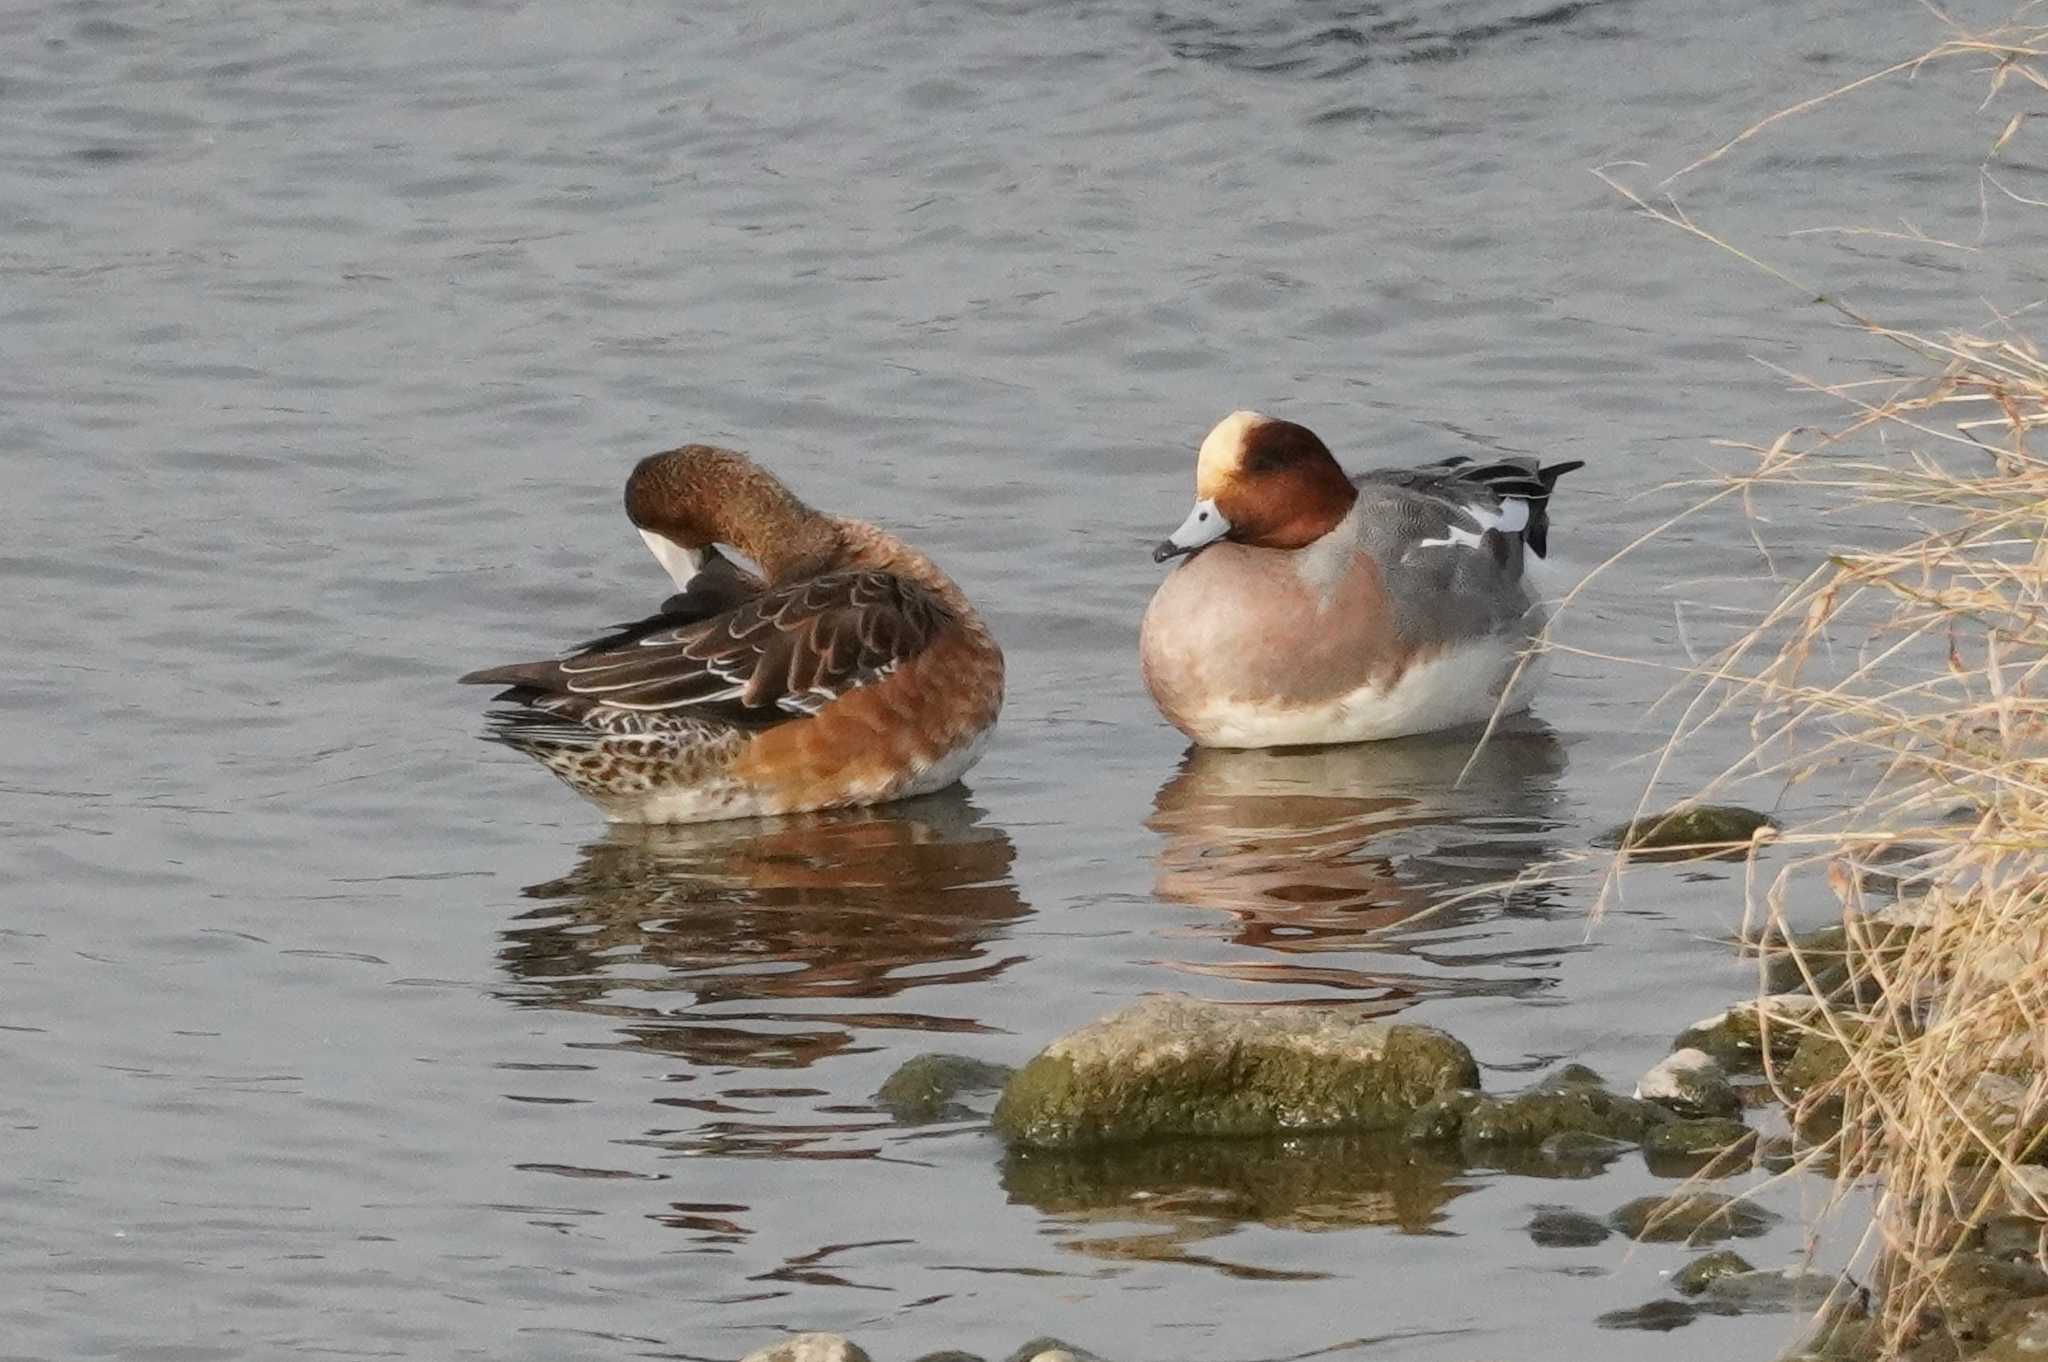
1918, 667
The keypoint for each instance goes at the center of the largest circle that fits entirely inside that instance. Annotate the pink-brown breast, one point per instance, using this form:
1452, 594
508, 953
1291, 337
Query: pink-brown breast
1243, 625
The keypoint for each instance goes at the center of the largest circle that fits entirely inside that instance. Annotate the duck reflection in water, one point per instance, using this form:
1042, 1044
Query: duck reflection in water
674, 930
1312, 851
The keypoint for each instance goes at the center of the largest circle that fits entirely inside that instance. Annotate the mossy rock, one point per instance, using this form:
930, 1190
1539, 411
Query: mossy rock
1976, 1291
1175, 1066
1530, 1118
1566, 1077
1708, 1137
1581, 1153
1441, 1120
1703, 1271
1836, 958
1697, 830
1692, 1218
1657, 1317
2018, 1333
1740, 1037
1691, 1083
923, 1088
1820, 1058
1772, 1289
1563, 1227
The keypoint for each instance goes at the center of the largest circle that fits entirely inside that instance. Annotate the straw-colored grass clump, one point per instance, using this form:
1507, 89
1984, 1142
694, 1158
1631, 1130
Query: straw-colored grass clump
1918, 668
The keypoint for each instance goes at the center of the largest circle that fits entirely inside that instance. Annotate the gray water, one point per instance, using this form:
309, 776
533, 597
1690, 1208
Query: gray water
327, 334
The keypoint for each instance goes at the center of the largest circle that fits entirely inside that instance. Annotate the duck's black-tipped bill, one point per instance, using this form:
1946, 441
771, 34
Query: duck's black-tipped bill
1168, 549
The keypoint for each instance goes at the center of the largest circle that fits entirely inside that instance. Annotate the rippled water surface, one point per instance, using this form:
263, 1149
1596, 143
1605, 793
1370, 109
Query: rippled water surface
328, 335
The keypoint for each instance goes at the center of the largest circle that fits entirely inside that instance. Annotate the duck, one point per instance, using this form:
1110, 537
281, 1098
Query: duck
806, 661
1309, 606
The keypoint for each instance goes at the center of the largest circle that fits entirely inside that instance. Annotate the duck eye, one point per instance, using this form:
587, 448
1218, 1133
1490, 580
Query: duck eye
1203, 516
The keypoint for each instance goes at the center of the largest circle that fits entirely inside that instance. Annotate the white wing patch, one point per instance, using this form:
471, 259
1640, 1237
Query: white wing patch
1510, 517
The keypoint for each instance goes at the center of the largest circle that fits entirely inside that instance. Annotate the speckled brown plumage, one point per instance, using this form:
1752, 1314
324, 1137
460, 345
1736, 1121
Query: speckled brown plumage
857, 672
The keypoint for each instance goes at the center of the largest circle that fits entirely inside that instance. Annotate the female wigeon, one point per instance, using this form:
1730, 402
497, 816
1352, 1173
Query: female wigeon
1320, 608
855, 673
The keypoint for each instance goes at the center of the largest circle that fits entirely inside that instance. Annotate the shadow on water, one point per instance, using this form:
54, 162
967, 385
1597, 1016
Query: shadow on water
1162, 1200
719, 942
1316, 854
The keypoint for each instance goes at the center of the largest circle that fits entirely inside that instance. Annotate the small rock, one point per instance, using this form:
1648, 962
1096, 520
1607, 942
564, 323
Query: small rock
1838, 962
1583, 1149
1051, 1350
811, 1348
950, 1355
1739, 1037
1660, 1316
1562, 1227
1820, 1058
1442, 1120
1568, 1076
1791, 1288
1708, 1268
1776, 1153
923, 1089
1530, 1118
1692, 1217
2012, 1237
1697, 1139
1975, 1287
1690, 1083
1685, 833
1176, 1066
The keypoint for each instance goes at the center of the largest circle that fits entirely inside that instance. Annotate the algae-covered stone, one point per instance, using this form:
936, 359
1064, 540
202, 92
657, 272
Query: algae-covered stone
2012, 1237
1658, 1316
1975, 1289
1442, 1120
1696, 830
1838, 960
811, 1348
1705, 1138
1568, 1076
1703, 1271
1576, 1151
1690, 1083
1563, 1227
1530, 1118
1820, 1057
1790, 1288
1690, 1217
1176, 1066
923, 1089
1740, 1037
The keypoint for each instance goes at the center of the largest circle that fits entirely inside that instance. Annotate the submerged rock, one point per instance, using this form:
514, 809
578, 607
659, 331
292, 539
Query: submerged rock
923, 1089
1703, 1271
1690, 1217
1791, 1288
1694, 831
1530, 1118
1581, 1150
1176, 1066
1659, 1316
1562, 1227
1690, 1083
1701, 1139
811, 1348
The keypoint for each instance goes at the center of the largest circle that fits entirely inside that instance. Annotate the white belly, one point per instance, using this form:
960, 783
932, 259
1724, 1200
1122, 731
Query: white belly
1461, 686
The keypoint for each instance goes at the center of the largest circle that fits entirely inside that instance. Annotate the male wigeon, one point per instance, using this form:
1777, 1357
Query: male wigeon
1321, 608
851, 671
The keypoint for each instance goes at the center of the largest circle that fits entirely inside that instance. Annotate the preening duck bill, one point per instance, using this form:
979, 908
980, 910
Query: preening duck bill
1204, 525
